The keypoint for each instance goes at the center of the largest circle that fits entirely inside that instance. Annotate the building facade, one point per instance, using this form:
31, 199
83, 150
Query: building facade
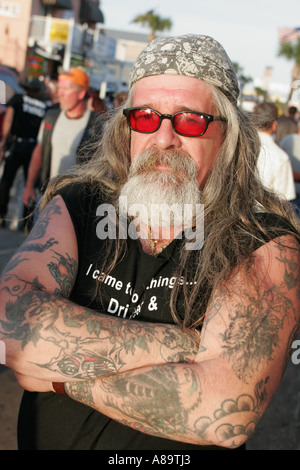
39, 36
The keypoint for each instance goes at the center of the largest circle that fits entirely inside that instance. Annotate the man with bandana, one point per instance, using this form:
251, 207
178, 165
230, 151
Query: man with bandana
154, 304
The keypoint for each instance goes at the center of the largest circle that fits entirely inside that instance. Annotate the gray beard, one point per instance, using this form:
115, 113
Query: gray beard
165, 197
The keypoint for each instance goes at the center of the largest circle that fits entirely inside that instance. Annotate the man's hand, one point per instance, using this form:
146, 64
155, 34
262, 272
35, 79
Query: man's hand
28, 196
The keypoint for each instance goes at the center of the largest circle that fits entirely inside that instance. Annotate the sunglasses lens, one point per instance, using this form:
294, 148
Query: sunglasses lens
143, 120
190, 124
185, 123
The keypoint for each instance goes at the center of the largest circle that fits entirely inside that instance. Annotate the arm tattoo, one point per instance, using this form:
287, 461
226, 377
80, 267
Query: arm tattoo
163, 403
38, 232
89, 346
251, 338
39, 229
64, 272
152, 399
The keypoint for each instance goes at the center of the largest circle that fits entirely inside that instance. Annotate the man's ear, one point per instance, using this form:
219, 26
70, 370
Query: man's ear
82, 94
274, 126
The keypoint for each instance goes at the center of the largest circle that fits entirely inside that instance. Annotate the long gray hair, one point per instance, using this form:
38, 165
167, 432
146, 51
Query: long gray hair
232, 196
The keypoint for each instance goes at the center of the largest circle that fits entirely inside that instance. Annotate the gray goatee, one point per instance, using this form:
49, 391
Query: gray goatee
162, 197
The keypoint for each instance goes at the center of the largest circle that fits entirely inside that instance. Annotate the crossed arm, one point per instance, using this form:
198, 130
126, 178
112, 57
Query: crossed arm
153, 377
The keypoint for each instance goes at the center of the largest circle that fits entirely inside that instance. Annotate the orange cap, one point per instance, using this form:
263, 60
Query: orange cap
77, 76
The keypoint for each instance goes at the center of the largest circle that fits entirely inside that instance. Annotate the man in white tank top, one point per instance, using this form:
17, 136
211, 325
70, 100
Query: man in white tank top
67, 131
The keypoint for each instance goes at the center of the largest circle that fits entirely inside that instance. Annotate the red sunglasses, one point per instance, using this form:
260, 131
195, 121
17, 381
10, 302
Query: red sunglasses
185, 123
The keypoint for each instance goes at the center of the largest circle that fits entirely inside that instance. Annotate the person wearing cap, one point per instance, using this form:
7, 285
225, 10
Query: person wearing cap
24, 113
155, 302
62, 133
273, 164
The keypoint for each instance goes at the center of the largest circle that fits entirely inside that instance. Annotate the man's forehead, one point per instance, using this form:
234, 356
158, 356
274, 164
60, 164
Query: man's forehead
176, 87
67, 83
174, 99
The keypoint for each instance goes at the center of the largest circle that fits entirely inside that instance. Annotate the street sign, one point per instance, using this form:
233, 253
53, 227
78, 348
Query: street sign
59, 31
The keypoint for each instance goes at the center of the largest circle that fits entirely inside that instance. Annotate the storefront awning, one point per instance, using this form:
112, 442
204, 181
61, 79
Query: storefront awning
66, 4
90, 13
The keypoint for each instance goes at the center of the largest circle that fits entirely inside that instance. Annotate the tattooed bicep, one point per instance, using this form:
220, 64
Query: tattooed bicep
49, 254
52, 210
63, 269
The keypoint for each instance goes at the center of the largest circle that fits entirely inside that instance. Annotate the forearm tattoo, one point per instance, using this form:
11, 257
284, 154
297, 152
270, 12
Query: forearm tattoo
88, 346
164, 403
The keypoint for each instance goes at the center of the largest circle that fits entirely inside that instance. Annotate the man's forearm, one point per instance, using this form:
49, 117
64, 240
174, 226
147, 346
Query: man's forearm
34, 167
51, 338
182, 402
7, 123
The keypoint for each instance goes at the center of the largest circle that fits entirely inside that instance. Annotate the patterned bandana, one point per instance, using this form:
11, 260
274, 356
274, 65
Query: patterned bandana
195, 56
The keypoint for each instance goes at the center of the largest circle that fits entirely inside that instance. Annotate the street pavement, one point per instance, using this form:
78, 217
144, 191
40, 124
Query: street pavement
279, 428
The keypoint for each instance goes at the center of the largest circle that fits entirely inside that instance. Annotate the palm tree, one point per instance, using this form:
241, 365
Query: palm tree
242, 79
155, 23
291, 51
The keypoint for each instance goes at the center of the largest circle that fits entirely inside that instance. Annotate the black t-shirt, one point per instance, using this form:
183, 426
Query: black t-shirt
28, 114
139, 288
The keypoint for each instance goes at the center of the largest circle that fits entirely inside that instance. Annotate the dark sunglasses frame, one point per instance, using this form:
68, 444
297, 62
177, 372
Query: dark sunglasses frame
209, 118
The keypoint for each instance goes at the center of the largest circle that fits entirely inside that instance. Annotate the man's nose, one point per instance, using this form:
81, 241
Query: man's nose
165, 137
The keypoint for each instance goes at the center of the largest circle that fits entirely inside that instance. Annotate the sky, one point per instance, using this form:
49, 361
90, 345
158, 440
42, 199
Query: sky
248, 30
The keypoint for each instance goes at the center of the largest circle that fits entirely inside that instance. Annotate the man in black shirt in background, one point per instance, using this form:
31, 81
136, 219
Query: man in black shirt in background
21, 124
